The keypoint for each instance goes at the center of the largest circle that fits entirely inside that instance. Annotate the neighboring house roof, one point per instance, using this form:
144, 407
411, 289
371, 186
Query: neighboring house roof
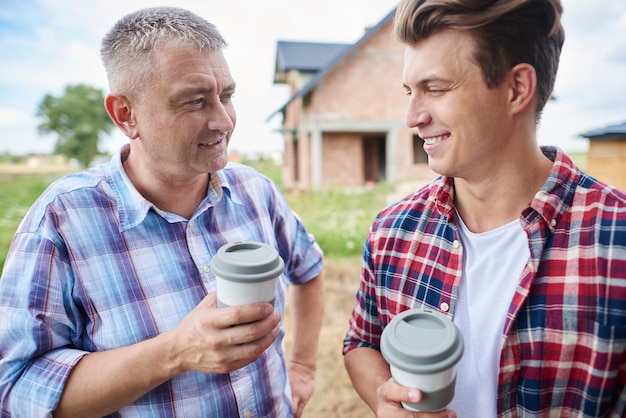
609, 132
314, 82
305, 56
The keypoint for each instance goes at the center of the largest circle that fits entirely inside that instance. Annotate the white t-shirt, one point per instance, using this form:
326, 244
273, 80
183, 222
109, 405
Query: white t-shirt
492, 264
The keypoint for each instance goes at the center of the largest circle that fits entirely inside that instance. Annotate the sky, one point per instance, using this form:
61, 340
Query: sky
46, 45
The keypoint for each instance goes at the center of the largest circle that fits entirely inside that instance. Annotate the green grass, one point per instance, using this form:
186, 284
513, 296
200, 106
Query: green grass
339, 221
18, 192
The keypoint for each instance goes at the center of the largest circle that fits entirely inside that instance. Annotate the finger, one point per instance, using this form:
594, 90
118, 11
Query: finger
442, 414
236, 315
243, 354
298, 408
209, 301
252, 331
392, 391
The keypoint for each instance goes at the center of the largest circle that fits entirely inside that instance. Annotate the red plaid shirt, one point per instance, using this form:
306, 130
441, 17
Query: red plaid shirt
564, 351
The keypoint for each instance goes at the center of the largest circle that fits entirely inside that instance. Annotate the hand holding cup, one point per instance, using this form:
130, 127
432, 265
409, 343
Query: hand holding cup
422, 348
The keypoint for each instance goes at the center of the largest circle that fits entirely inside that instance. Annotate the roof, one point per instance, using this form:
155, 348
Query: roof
314, 82
305, 56
609, 132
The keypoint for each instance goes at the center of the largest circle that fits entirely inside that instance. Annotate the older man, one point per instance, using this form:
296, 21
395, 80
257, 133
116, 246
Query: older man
107, 300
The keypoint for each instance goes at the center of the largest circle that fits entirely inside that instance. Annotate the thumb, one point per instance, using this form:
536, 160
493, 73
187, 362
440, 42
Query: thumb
209, 301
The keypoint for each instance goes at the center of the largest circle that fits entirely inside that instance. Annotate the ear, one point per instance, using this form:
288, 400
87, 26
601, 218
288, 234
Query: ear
523, 87
120, 110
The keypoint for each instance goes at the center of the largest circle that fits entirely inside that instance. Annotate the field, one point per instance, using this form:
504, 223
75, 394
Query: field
334, 395
338, 220
19, 188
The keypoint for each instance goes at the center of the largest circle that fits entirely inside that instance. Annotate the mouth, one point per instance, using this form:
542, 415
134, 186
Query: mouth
212, 143
433, 140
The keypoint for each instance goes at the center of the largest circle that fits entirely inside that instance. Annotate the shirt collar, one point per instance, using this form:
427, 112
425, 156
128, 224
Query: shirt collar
222, 185
553, 199
549, 203
133, 207
443, 196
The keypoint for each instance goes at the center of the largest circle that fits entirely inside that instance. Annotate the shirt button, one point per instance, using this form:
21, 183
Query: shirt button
456, 243
444, 306
206, 269
248, 414
553, 223
190, 224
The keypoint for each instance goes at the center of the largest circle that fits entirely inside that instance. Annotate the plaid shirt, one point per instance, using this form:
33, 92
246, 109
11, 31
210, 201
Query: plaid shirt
95, 266
564, 340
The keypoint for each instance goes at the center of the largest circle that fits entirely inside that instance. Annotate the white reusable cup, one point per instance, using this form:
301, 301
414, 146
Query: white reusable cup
422, 348
246, 272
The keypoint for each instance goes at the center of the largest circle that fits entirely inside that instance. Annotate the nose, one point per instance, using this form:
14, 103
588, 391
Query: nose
222, 118
416, 114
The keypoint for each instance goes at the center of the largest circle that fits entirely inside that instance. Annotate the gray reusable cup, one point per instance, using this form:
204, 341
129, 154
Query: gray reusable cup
246, 272
422, 348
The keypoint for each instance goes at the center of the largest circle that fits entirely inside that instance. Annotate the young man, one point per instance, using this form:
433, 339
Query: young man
522, 250
107, 300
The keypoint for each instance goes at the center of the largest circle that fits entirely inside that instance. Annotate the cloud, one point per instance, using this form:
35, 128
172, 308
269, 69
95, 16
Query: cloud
46, 45
50, 45
13, 117
590, 83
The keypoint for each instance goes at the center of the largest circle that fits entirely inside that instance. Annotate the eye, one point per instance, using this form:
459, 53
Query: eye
436, 91
197, 102
227, 97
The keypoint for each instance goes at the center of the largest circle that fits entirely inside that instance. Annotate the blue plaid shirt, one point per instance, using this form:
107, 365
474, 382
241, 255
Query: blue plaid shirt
95, 266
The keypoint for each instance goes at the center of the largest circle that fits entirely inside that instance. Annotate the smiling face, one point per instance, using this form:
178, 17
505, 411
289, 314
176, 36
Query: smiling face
185, 115
463, 123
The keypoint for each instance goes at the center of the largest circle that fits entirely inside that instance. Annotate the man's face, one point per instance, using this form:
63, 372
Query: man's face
462, 122
185, 117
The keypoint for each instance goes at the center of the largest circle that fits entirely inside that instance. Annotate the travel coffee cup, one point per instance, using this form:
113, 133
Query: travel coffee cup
422, 348
246, 272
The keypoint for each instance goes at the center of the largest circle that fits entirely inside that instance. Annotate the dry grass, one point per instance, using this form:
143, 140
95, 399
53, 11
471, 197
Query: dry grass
334, 395
19, 169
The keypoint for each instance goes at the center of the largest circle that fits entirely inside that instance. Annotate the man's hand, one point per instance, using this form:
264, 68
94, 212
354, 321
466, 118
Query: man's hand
389, 398
220, 340
208, 339
302, 379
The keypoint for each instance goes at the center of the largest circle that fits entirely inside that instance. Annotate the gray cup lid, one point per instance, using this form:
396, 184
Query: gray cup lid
421, 341
247, 261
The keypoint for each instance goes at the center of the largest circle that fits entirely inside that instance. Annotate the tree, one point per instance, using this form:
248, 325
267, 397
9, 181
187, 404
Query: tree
79, 118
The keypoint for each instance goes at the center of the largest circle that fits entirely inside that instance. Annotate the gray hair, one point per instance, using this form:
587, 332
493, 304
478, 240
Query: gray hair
127, 48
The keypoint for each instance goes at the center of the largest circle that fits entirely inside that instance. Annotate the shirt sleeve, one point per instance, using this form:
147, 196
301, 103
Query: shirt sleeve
364, 326
302, 255
36, 327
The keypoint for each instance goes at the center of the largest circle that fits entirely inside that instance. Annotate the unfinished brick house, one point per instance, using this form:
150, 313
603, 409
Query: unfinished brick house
606, 159
344, 123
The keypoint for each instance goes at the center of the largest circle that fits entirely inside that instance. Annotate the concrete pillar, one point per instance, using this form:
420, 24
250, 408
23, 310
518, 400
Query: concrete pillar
316, 159
391, 154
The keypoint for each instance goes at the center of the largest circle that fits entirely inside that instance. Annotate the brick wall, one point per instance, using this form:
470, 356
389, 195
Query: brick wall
607, 161
365, 86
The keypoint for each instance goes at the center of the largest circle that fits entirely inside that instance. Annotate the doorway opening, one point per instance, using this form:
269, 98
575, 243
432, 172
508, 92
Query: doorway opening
374, 158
